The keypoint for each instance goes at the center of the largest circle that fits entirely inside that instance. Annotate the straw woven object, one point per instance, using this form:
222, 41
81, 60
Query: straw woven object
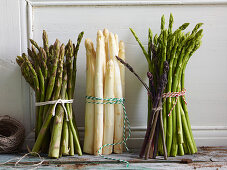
12, 134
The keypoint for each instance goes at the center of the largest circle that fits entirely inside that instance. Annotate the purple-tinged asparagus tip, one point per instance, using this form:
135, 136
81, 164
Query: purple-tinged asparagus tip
150, 75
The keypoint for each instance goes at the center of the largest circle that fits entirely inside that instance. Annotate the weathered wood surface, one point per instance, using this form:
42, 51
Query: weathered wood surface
206, 158
118, 17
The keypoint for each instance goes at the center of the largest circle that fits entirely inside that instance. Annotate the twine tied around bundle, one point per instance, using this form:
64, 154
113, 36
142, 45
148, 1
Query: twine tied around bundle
55, 102
97, 100
176, 95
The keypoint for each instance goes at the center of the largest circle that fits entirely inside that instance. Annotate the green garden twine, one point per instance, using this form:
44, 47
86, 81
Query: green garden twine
97, 100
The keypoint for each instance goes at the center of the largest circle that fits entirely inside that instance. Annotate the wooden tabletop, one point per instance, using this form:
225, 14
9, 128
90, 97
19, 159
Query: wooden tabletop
206, 158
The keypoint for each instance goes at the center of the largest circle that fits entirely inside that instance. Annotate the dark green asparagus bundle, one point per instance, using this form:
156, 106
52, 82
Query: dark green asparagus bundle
51, 72
175, 47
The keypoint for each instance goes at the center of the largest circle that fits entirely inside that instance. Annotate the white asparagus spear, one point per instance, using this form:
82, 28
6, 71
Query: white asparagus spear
108, 132
100, 55
112, 47
106, 35
118, 110
117, 42
89, 109
122, 67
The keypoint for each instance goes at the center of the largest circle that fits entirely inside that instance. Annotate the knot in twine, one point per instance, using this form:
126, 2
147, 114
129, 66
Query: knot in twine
55, 102
176, 95
98, 100
157, 109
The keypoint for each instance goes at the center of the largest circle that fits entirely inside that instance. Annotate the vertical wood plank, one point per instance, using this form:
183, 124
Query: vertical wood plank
12, 85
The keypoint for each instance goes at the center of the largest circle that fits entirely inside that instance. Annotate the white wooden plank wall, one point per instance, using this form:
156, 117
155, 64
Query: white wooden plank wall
206, 79
14, 92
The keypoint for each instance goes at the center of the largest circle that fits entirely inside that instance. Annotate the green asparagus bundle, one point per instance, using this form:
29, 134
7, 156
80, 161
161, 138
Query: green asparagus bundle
51, 72
175, 47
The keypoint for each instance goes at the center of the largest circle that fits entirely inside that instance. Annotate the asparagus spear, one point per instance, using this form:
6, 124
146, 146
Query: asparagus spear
162, 23
33, 73
122, 68
25, 71
89, 109
179, 130
108, 133
106, 36
143, 49
65, 137
36, 62
171, 20
53, 72
118, 109
43, 58
35, 44
166, 104
69, 63
76, 49
150, 35
45, 42
73, 83
98, 130
54, 149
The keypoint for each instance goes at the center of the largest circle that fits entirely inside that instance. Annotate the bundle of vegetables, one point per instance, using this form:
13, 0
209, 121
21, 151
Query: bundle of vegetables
175, 47
105, 80
51, 72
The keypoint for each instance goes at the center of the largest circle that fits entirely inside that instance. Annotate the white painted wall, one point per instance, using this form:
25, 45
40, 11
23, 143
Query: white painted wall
14, 93
205, 81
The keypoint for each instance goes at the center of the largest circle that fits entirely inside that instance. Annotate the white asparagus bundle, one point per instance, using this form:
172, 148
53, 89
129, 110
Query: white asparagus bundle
100, 55
104, 122
108, 109
118, 110
89, 110
122, 67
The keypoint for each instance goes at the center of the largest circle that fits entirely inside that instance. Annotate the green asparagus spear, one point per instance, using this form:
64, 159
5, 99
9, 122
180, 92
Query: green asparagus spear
171, 20
53, 72
76, 49
54, 150
162, 23
45, 42
142, 47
